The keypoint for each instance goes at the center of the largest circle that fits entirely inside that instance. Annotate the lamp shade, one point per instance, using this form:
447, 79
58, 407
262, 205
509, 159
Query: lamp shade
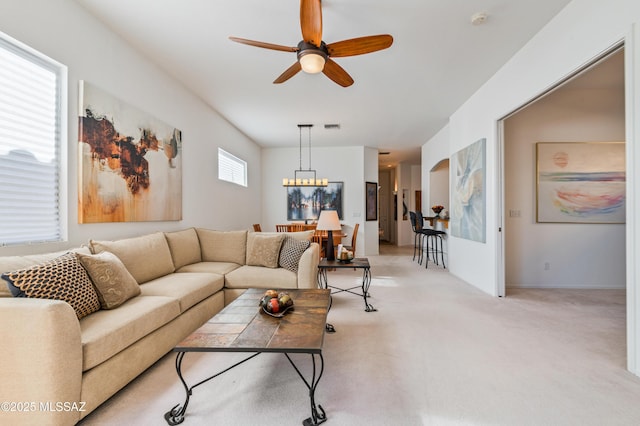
328, 221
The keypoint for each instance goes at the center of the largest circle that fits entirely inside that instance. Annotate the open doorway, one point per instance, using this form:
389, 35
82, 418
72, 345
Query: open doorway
589, 107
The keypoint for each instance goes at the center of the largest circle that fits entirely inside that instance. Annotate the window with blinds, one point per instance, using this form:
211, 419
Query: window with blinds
30, 109
231, 168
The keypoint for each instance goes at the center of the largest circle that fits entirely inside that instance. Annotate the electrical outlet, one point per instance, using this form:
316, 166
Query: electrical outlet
514, 213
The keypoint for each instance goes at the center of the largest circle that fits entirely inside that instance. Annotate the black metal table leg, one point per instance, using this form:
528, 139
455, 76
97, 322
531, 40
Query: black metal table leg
175, 416
318, 415
366, 282
324, 283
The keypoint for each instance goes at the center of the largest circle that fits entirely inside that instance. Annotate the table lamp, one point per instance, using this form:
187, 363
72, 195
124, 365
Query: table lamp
329, 221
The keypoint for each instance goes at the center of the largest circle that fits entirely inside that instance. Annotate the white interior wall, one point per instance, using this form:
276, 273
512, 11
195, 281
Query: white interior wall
371, 227
582, 31
438, 187
416, 181
433, 152
595, 27
351, 165
404, 231
556, 254
63, 31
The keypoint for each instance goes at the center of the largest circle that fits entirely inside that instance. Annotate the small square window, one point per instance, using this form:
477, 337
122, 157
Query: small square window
231, 168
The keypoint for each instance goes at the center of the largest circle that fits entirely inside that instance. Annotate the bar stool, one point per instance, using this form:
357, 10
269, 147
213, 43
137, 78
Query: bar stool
433, 236
417, 237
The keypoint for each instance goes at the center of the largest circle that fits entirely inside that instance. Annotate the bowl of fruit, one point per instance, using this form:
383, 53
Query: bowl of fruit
276, 303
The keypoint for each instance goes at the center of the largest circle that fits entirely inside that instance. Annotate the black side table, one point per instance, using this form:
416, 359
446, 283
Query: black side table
357, 263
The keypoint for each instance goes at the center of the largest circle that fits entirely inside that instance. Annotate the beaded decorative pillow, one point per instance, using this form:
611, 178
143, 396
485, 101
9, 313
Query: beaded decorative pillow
62, 278
291, 252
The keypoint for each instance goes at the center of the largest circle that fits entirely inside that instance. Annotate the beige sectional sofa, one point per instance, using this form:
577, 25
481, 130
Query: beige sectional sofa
62, 359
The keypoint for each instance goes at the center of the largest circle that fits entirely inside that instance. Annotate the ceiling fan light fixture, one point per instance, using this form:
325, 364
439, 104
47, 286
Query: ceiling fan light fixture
311, 62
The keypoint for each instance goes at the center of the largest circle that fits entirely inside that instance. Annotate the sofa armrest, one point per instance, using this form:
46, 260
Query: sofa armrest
308, 267
41, 361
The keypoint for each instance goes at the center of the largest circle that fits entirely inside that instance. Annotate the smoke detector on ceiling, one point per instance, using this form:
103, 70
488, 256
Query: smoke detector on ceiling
478, 18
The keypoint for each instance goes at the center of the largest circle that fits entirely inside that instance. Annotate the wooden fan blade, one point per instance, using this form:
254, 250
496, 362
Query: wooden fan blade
360, 45
336, 73
264, 45
311, 21
290, 72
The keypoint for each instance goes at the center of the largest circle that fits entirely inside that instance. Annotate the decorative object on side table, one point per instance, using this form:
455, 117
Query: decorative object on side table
345, 256
437, 209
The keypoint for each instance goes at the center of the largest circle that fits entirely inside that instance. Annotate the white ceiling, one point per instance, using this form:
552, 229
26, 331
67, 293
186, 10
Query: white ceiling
401, 96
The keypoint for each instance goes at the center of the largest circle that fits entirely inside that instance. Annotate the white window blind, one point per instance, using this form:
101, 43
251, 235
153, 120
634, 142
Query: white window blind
29, 146
231, 168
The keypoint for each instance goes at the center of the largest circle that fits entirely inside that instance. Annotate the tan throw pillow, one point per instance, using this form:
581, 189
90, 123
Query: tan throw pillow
263, 250
62, 278
146, 257
114, 284
184, 246
223, 246
291, 252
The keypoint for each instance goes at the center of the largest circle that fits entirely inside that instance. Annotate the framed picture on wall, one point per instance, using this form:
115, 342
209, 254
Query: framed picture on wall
305, 202
580, 182
372, 200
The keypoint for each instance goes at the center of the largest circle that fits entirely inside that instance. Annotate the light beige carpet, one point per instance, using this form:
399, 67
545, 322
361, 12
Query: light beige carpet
437, 352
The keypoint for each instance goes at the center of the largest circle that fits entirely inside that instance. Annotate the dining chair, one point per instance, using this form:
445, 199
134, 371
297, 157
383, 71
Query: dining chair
282, 228
352, 247
297, 227
256, 227
317, 238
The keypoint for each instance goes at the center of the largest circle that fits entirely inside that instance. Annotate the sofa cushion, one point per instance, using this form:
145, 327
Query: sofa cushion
105, 333
184, 246
263, 250
62, 278
221, 268
189, 289
223, 246
291, 252
146, 257
12, 263
113, 282
259, 277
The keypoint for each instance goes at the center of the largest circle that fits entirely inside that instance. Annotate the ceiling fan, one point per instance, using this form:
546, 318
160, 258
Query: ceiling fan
314, 55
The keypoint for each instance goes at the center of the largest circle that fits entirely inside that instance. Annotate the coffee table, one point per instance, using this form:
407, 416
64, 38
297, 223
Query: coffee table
242, 327
356, 263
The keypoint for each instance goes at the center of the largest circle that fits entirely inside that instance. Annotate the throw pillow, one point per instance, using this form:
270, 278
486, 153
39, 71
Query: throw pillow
147, 257
263, 250
291, 253
114, 284
62, 278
